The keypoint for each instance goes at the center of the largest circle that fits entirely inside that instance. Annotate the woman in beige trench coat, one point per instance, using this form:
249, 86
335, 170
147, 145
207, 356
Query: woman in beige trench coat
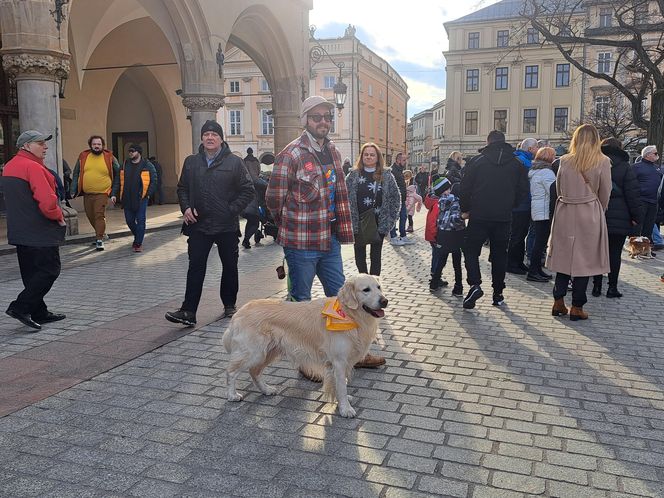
579, 243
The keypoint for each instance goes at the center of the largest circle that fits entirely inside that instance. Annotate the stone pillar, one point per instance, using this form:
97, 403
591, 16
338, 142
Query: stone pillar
37, 75
201, 108
286, 104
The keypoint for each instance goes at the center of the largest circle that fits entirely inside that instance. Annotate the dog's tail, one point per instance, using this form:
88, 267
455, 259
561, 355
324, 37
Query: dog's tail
227, 339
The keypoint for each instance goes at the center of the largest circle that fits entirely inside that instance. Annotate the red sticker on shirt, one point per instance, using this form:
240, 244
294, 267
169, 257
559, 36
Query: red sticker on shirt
309, 167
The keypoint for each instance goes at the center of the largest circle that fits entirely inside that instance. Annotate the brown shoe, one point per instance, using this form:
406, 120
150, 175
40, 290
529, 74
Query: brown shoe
370, 361
559, 307
310, 375
577, 313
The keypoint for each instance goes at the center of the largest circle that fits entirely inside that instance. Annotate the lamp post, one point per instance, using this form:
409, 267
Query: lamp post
317, 54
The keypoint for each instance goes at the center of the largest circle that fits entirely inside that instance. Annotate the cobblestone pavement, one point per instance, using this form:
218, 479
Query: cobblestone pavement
494, 402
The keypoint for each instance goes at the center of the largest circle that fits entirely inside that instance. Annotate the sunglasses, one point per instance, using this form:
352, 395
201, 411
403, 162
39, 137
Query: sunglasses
317, 118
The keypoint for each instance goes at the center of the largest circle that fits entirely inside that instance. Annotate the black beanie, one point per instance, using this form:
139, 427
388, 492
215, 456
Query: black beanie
211, 125
137, 148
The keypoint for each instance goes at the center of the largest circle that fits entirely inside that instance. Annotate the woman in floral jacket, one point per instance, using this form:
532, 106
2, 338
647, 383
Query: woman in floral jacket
371, 186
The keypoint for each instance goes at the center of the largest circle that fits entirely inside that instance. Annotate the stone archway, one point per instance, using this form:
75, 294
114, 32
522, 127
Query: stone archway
139, 90
258, 34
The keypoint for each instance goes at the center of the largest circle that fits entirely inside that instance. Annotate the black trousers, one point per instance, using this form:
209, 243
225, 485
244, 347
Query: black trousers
498, 234
252, 225
542, 232
517, 243
40, 268
649, 216
199, 245
439, 261
579, 288
616, 243
375, 255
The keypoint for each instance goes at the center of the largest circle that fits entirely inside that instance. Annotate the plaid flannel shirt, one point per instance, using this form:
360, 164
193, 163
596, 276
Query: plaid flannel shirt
298, 198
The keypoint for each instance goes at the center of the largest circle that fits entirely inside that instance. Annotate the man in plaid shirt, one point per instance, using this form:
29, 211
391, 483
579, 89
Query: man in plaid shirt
308, 200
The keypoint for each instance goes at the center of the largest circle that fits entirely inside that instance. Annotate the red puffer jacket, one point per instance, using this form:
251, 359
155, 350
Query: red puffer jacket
431, 203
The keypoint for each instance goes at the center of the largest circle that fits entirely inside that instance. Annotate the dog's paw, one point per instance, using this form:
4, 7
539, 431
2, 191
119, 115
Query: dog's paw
347, 411
235, 397
268, 390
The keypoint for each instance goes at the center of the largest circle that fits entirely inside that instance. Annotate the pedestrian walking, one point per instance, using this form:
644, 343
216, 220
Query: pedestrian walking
579, 245
413, 199
494, 182
450, 228
134, 184
649, 177
35, 225
375, 202
93, 177
213, 189
397, 170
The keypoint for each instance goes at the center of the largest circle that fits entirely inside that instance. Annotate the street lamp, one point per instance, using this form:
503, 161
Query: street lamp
316, 54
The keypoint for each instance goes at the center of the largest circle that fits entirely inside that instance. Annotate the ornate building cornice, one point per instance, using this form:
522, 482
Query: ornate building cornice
203, 102
25, 65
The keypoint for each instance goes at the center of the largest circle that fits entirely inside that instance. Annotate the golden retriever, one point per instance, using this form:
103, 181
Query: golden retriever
639, 247
266, 329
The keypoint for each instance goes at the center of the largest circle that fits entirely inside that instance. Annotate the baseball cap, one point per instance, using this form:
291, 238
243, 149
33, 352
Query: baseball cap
31, 136
311, 102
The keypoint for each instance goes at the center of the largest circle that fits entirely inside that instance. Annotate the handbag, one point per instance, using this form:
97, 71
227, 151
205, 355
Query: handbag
368, 233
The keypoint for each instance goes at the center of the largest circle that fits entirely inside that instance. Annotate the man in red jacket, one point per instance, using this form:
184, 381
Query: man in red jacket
35, 225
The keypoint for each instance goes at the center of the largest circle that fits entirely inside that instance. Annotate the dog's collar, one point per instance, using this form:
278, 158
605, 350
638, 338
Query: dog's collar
335, 318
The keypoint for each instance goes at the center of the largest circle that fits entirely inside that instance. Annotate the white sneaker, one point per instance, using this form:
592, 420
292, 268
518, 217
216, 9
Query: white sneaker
406, 241
396, 241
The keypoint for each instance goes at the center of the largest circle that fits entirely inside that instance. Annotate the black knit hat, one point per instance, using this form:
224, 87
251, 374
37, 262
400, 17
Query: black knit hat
211, 125
137, 148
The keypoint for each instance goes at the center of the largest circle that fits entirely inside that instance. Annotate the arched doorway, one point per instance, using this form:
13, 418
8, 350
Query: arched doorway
9, 128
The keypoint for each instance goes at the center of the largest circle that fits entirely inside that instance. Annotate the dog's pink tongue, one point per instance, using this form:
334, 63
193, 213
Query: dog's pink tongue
379, 313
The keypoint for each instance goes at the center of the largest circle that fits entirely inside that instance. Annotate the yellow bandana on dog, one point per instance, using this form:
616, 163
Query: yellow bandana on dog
336, 320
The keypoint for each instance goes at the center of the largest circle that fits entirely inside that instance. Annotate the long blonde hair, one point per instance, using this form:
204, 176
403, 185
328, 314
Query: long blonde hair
380, 164
585, 150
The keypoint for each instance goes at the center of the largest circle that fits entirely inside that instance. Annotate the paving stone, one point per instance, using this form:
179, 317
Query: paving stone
445, 487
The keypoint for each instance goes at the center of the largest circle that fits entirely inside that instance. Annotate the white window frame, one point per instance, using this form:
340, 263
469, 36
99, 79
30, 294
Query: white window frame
267, 123
234, 83
235, 122
329, 82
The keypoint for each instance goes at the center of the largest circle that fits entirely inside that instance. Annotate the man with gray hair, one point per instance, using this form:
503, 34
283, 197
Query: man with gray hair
649, 176
521, 213
35, 225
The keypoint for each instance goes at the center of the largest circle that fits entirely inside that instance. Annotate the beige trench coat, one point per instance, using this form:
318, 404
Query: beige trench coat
579, 242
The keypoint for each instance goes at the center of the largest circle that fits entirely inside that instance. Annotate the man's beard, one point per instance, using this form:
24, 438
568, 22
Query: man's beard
96, 152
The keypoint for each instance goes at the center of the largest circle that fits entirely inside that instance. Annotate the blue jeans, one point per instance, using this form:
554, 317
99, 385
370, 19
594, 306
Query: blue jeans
403, 215
304, 265
136, 221
657, 236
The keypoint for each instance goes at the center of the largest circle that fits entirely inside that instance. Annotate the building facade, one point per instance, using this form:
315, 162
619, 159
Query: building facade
375, 107
142, 71
501, 76
420, 152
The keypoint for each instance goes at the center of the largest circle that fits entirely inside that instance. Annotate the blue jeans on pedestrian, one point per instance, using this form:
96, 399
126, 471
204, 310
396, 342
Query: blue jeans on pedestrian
403, 216
657, 236
304, 265
136, 221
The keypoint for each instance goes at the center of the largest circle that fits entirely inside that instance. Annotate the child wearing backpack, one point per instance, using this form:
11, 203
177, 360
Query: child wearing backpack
449, 236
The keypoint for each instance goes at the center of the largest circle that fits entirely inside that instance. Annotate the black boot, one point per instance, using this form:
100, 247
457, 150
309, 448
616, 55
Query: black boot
597, 289
612, 291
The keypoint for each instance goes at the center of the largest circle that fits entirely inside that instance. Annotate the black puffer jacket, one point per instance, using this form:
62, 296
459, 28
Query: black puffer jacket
453, 171
624, 204
218, 193
493, 183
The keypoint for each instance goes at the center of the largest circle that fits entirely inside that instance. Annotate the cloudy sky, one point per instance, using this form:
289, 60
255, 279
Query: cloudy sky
409, 35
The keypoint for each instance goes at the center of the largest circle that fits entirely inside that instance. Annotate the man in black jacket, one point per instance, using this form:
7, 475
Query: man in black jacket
493, 183
213, 190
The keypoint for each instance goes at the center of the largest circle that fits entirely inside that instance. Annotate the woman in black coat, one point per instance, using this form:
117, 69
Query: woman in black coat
624, 213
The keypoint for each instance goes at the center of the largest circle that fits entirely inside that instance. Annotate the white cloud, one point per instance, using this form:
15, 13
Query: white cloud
409, 32
422, 95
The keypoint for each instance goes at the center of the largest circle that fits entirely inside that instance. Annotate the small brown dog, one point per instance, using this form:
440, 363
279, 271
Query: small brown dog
639, 247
